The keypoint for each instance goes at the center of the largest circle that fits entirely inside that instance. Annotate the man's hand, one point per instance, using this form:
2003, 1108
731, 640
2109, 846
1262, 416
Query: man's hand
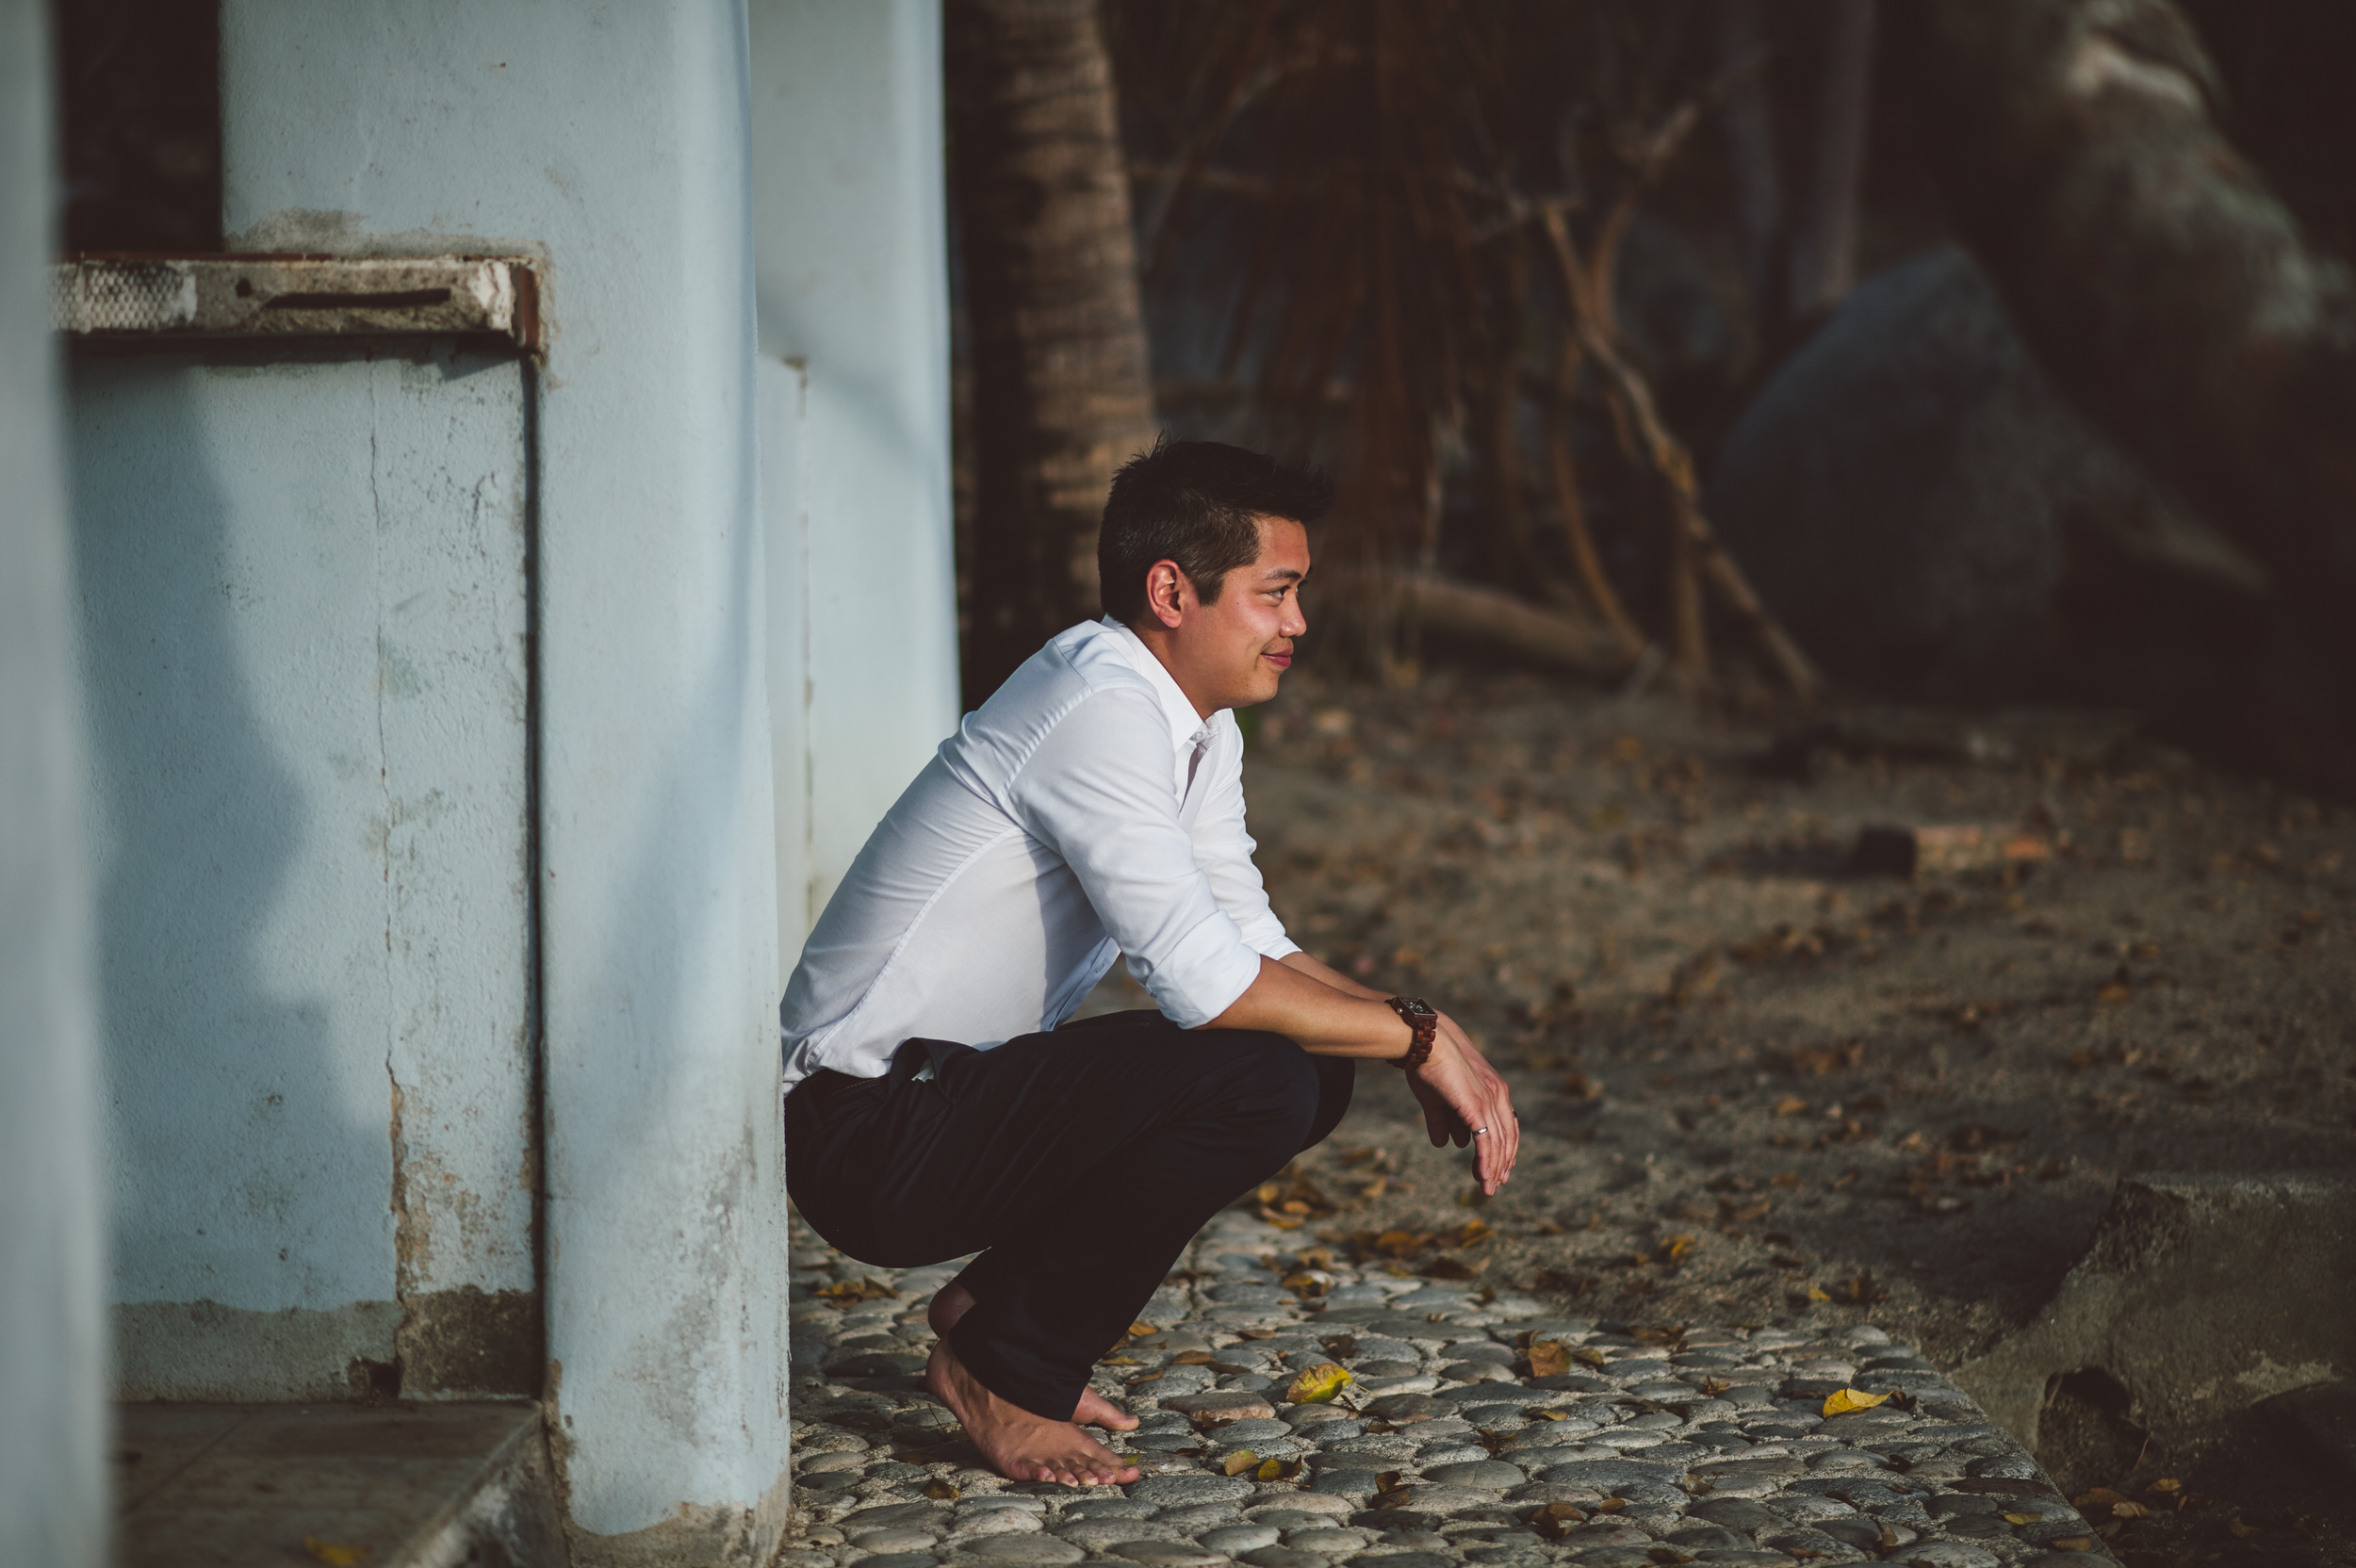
1464, 1101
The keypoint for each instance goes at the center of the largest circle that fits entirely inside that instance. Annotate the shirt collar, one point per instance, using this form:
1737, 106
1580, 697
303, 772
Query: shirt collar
1186, 728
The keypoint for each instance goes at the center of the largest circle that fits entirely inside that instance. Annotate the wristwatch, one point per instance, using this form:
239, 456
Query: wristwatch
1418, 1015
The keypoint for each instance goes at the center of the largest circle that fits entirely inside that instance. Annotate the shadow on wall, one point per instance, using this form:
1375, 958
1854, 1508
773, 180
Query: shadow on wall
250, 1166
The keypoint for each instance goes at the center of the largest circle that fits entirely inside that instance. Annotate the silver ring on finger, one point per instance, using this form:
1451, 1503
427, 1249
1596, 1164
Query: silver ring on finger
1479, 1130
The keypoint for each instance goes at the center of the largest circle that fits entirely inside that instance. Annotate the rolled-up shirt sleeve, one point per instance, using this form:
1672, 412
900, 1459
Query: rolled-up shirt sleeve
1097, 790
1223, 849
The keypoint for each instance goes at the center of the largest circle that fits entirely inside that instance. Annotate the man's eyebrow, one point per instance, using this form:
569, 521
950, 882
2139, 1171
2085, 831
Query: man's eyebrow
1288, 573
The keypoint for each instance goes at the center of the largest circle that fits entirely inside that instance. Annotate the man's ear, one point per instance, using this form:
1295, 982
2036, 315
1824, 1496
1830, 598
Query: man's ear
1167, 593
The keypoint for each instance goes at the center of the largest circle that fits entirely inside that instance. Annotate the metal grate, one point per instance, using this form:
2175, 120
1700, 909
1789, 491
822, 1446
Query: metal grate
122, 296
127, 299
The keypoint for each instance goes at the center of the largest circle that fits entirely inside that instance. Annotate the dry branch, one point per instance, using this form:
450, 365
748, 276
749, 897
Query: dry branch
1503, 620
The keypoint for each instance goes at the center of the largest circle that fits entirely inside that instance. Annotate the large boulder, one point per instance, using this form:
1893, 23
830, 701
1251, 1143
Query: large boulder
1932, 521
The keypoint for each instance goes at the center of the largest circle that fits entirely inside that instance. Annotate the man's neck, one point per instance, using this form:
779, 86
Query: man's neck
1158, 642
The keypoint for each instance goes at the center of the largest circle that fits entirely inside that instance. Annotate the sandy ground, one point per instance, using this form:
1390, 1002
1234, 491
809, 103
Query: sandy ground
1758, 1085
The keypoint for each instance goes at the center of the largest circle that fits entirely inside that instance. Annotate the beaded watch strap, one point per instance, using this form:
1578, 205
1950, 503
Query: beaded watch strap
1418, 1015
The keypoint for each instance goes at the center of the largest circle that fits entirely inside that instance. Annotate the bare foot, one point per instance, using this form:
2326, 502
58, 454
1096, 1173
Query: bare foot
1018, 1445
953, 1301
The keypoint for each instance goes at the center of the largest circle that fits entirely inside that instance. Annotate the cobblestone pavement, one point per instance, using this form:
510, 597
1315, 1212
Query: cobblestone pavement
1445, 1449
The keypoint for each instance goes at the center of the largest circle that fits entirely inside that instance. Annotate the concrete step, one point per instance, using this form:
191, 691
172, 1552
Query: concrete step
406, 1485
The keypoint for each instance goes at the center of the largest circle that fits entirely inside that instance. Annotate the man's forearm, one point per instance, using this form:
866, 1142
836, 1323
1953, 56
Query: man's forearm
1317, 1010
1301, 963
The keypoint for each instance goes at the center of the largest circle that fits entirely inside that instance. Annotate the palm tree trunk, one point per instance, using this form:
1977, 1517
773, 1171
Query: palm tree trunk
1062, 394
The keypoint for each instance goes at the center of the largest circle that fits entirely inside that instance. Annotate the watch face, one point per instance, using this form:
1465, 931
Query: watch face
1417, 1008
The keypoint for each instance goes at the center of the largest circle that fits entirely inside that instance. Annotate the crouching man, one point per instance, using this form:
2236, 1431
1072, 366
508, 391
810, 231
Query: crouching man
1092, 809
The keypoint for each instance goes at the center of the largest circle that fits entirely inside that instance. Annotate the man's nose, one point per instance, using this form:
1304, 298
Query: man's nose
1294, 623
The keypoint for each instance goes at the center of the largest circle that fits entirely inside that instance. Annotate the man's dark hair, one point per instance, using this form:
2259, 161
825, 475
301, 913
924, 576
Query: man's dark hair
1197, 503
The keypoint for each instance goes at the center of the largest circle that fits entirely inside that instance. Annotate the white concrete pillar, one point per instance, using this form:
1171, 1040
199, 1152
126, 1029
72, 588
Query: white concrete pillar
610, 141
851, 254
53, 1466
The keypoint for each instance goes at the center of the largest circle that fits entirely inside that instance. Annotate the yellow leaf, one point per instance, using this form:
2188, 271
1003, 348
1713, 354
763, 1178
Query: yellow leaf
1145, 1377
1141, 1328
1318, 1386
1268, 1192
1240, 1461
1116, 1360
1548, 1358
1543, 1414
2167, 1483
1792, 1104
335, 1555
1678, 1247
2020, 1518
1841, 1401
1191, 1358
1816, 1293
2131, 1511
1277, 1470
1590, 1356
1472, 1230
940, 1491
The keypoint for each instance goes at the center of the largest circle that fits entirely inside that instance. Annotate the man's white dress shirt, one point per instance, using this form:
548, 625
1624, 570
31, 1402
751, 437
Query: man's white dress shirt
1084, 812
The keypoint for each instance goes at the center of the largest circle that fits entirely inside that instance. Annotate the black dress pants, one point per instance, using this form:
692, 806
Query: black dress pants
1079, 1163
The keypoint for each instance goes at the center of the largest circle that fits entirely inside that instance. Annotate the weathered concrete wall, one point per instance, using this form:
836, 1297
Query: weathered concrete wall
850, 243
305, 629
53, 1466
784, 392
612, 140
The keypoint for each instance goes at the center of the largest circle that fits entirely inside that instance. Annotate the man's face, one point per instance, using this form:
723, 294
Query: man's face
1231, 652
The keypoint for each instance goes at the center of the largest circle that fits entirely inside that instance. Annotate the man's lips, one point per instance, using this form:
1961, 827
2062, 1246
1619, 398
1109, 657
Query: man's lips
1282, 661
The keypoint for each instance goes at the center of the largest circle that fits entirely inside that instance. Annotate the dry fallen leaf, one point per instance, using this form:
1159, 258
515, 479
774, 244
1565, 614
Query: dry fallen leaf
1712, 1387
1191, 1358
335, 1555
1792, 1104
2100, 1497
1471, 1231
2167, 1483
1541, 1413
1119, 1360
1548, 1358
1318, 1386
1590, 1356
1141, 1328
1277, 1470
2131, 1511
1817, 1294
2244, 1531
940, 1491
1841, 1401
1145, 1377
1240, 1461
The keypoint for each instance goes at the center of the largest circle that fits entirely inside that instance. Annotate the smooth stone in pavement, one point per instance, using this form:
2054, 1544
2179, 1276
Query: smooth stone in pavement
1254, 1430
925, 1517
1184, 1490
1235, 1540
1021, 1551
1101, 1535
898, 1560
882, 1541
1400, 1559
1408, 1407
1493, 1475
1233, 1404
1284, 1557
1170, 1554
1422, 1498
1355, 1483
1626, 1557
1607, 1473
1276, 1508
1945, 1554
1327, 1543
1107, 1508
1175, 1340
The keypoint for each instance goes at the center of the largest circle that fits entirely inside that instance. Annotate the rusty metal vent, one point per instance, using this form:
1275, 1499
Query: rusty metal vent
149, 299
